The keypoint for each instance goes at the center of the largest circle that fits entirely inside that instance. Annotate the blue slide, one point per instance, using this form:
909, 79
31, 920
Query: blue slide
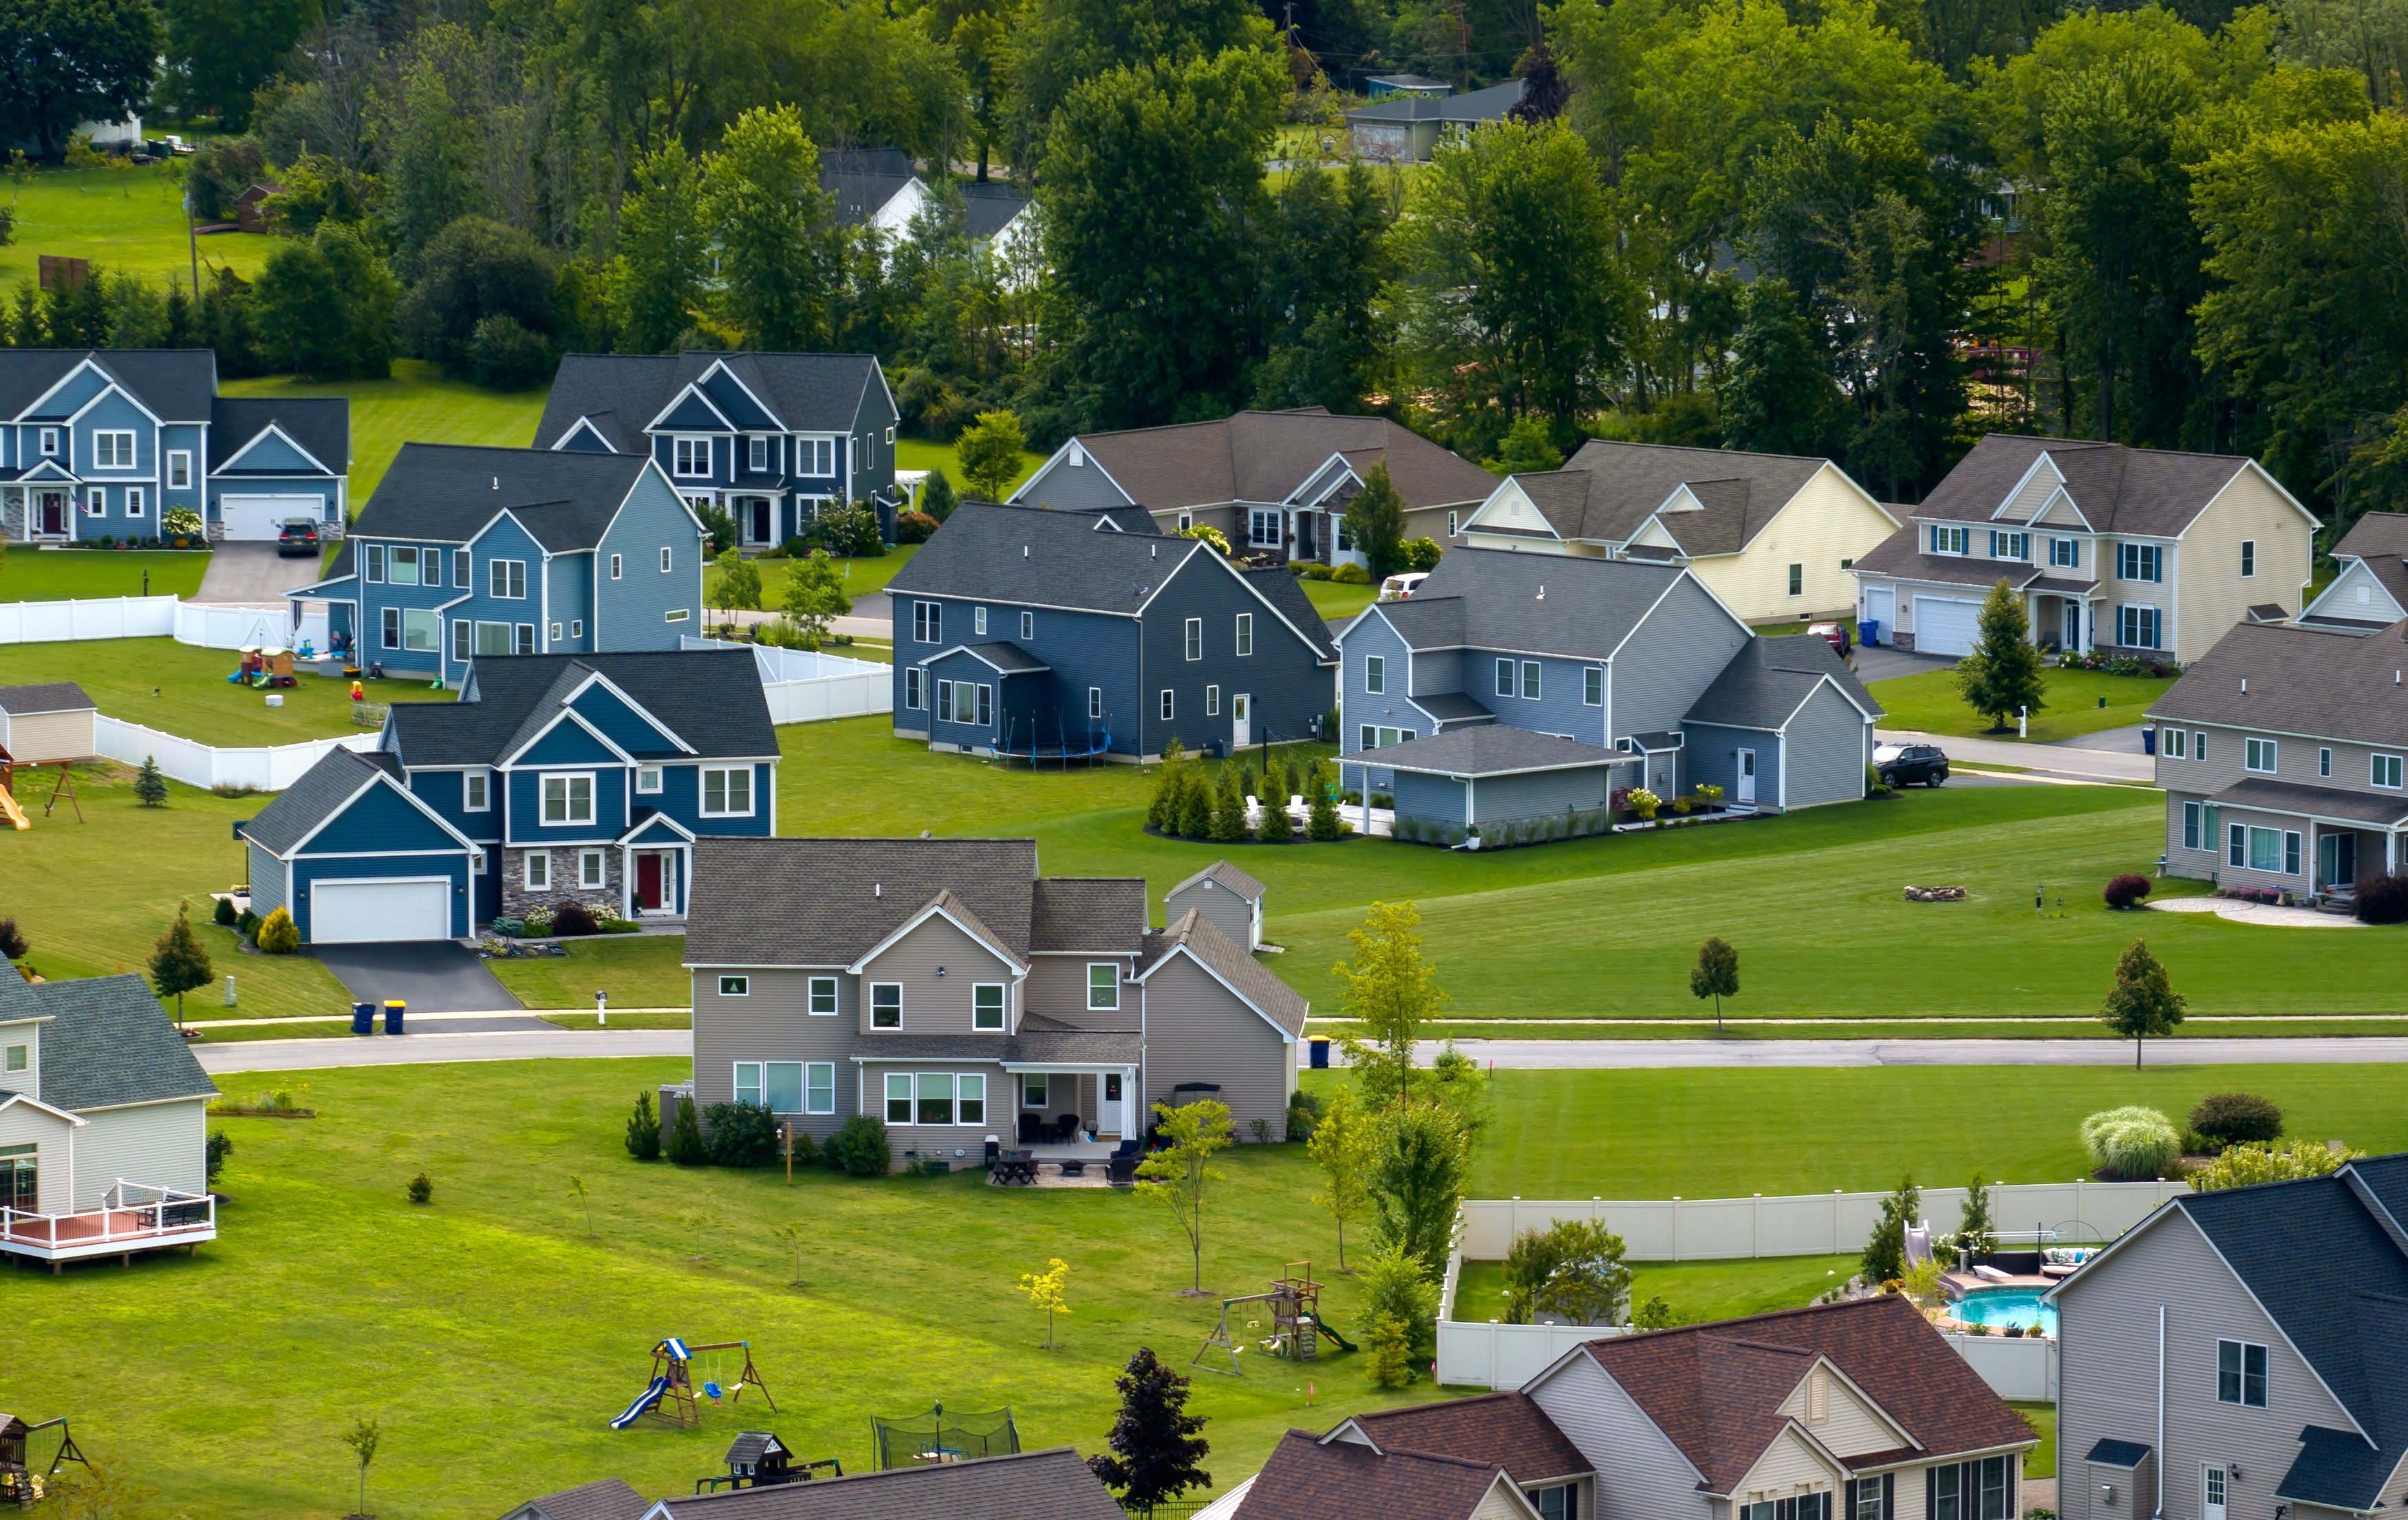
644, 1401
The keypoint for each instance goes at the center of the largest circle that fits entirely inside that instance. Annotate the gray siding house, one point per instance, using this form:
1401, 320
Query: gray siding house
947, 988
2371, 591
2280, 753
1226, 895
2232, 1356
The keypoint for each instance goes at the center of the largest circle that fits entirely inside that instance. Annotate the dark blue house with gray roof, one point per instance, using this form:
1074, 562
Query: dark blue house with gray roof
552, 779
1514, 687
772, 437
1033, 632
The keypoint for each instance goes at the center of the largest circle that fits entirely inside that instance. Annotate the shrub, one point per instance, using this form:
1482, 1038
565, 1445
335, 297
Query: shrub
1421, 553
860, 1148
2237, 1119
1397, 1289
182, 521
504, 356
2133, 1143
1311, 572
913, 527
1350, 575
421, 1189
742, 1135
1304, 1114
1644, 802
644, 1129
2383, 900
685, 1145
226, 912
1205, 534
2127, 891
13, 944
574, 918
247, 925
219, 1146
1573, 1270
277, 934
2245, 1166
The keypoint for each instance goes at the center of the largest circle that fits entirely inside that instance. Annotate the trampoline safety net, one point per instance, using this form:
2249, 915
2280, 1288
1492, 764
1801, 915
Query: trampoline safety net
941, 1435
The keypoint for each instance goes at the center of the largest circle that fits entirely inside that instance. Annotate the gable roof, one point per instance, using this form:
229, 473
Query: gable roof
828, 901
988, 208
1607, 491
1489, 105
2302, 680
320, 793
1100, 913
1053, 1484
1309, 1479
1490, 749
2376, 533
1199, 937
446, 493
320, 425
711, 698
106, 1045
1508, 1429
2118, 489
1268, 456
809, 393
45, 696
864, 180
1279, 587
608, 1499
1034, 557
177, 384
1769, 679
1715, 1390
1223, 874
1551, 604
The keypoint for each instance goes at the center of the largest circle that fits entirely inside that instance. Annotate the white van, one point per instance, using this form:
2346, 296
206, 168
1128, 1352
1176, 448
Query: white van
1400, 588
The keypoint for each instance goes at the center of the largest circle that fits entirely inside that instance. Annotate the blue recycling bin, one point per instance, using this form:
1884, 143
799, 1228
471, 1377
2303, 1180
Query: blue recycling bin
1869, 632
394, 1008
364, 1018
1320, 1054
2148, 741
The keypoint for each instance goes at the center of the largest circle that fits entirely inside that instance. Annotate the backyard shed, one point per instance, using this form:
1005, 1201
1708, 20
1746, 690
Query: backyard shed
1224, 894
47, 722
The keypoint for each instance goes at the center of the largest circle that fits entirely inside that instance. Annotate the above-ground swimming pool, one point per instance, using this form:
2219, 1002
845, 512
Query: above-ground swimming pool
1999, 1308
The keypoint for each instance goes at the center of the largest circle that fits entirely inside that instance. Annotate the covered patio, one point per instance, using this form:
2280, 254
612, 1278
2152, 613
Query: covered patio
2347, 837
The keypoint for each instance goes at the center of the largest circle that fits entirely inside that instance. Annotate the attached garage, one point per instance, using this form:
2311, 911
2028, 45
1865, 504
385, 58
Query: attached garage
259, 519
380, 912
1945, 626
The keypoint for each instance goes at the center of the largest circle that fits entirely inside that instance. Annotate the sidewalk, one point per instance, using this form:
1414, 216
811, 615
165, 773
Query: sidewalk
2031, 755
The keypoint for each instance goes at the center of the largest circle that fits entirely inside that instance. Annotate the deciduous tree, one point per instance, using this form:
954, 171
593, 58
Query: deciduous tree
180, 963
815, 595
778, 246
1715, 976
1181, 1175
1340, 1146
73, 61
1420, 1152
989, 451
1389, 990
663, 246
1043, 1291
2143, 1003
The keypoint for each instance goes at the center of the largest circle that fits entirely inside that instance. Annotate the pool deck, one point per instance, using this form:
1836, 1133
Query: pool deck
1960, 1284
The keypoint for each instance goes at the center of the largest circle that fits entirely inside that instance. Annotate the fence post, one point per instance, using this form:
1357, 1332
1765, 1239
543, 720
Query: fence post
1755, 1225
1835, 1222
1676, 1227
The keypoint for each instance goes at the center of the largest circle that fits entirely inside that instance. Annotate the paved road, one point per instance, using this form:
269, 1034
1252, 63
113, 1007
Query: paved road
439, 976
252, 574
2125, 740
434, 1049
1540, 1055
2055, 759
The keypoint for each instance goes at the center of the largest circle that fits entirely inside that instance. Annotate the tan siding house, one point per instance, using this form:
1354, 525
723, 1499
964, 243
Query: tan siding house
52, 721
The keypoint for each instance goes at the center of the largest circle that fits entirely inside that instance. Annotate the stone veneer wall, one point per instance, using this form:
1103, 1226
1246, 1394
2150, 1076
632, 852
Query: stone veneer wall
605, 901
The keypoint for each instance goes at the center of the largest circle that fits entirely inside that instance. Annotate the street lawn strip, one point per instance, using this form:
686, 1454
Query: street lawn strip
417, 405
1931, 703
28, 574
621, 1019
94, 897
1694, 1290
126, 222
492, 1340
194, 700
638, 970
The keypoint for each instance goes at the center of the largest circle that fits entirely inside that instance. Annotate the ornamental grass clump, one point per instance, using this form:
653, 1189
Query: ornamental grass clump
2131, 1144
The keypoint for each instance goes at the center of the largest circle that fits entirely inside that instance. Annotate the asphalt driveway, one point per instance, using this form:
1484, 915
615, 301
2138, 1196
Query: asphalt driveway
1879, 662
252, 574
432, 977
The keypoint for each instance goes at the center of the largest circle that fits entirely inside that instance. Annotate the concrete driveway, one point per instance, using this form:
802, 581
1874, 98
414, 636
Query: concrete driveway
433, 977
252, 574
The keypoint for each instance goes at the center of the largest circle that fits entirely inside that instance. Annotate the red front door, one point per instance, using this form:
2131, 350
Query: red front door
648, 881
54, 511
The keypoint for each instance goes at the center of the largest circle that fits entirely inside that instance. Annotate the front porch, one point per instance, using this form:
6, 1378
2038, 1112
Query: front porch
132, 1217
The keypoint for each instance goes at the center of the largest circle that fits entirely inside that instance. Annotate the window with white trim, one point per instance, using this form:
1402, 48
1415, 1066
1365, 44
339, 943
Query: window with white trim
49, 443
886, 1005
1798, 580
648, 780
977, 621
1168, 704
1095, 703
1529, 681
1504, 678
556, 631
934, 1091
1192, 637
2140, 562
2065, 553
736, 986
914, 698
1451, 524
2173, 745
1027, 625
388, 627
2240, 1373
373, 565
591, 871
2191, 825
690, 456
506, 580
401, 564
180, 470
973, 1099
898, 1097
1375, 674
1036, 1090
986, 1004
668, 559
815, 456
1947, 540
823, 998
677, 614
2198, 743
2324, 761
615, 567
756, 453
133, 502
818, 1086
1245, 634
1212, 701
927, 622
493, 639
2010, 545
422, 632
727, 791
112, 448
2257, 754
96, 501
567, 798
1593, 686
538, 871
577, 627
1103, 986
2136, 627
985, 705
2383, 771
463, 573
476, 790
2248, 558
1263, 528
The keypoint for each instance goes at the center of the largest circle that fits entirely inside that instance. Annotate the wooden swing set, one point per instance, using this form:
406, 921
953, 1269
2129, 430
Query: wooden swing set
679, 1400
1296, 1326
61, 790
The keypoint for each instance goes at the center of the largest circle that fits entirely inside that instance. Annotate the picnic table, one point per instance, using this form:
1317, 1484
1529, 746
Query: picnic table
1016, 1167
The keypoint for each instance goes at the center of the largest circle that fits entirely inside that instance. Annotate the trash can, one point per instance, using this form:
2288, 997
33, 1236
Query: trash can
364, 1018
1320, 1054
2148, 741
1869, 632
394, 1008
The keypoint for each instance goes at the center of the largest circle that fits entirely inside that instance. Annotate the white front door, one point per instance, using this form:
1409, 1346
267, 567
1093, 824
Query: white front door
2215, 1495
1746, 776
1242, 726
1114, 1109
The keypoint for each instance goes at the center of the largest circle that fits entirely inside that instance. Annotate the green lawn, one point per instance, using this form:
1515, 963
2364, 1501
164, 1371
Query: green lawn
1930, 702
919, 453
638, 970
1332, 600
1695, 1290
862, 576
192, 699
416, 406
130, 221
57, 575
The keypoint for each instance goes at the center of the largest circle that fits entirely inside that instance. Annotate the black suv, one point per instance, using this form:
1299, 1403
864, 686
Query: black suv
1901, 764
299, 536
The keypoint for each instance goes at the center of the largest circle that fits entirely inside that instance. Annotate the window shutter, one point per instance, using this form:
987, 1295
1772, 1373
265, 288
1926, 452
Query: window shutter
1890, 1496
2012, 1467
1848, 1499
1931, 1493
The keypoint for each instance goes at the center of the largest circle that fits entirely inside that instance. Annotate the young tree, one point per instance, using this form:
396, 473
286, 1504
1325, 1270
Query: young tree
150, 786
1229, 807
363, 1437
936, 497
1169, 787
1390, 990
1976, 1225
644, 1129
735, 581
1399, 1314
1884, 1255
2142, 1002
1043, 1291
1573, 1270
1321, 818
1715, 976
777, 244
180, 963
989, 451
2003, 673
578, 1190
1420, 1155
685, 1145
1181, 1174
1155, 1443
815, 595
1341, 1148
1275, 826
1375, 521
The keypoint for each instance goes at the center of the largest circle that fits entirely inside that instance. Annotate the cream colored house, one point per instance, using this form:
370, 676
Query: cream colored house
2140, 551
1772, 535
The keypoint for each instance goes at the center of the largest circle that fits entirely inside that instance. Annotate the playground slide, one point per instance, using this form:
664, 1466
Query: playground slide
644, 1401
9, 811
1331, 1331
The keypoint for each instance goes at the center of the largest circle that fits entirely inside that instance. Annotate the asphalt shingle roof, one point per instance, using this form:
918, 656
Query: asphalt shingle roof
1607, 490
1100, 913
445, 492
1268, 456
2376, 533
45, 696
609, 1499
1307, 1479
809, 392
1282, 590
1051, 1485
1452, 706
1029, 556
1551, 604
1489, 105
177, 384
107, 1045
1901, 554
2118, 489
1195, 933
311, 800
2112, 1453
711, 698
322, 424
2303, 681
864, 180
2321, 801
1770, 678
1223, 874
1489, 750
826, 902
1507, 1428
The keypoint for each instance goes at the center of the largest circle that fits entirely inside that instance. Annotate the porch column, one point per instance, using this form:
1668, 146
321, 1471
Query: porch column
2391, 851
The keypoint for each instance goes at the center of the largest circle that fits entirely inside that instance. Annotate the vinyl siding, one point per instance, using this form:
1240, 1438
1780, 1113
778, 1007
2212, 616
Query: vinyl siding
631, 612
1230, 913
569, 580
1827, 521
2341, 599
1710, 757
54, 1178
946, 1140
158, 1144
1501, 1503
269, 881
1787, 1467
503, 539
1072, 488
1435, 670
309, 870
1057, 988
1561, 706
627, 728
1640, 1474
1427, 796
2036, 488
773, 1023
1545, 792
381, 819
2214, 595
1289, 685
2108, 1365
1850, 1425
1196, 1031
1670, 659
1083, 649
1387, 707
2190, 779
2215, 853
1828, 744
525, 791
933, 1005
50, 736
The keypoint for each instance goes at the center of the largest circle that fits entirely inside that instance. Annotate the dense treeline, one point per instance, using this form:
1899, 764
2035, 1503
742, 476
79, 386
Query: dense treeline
1870, 229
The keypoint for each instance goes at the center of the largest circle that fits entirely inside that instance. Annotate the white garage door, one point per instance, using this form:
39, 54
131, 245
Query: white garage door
258, 519
1943, 626
371, 913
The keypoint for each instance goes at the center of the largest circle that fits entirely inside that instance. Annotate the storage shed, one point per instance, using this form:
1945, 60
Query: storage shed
45, 724
1229, 896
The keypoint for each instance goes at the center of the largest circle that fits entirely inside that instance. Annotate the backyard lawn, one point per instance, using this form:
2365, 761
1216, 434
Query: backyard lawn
193, 699
416, 406
55, 575
862, 576
1333, 599
1929, 703
129, 221
919, 453
1694, 1290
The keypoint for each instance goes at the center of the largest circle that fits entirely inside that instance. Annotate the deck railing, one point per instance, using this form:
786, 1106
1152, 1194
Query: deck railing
130, 1213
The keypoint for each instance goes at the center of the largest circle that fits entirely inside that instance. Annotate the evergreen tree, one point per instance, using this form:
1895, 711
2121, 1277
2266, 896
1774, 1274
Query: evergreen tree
644, 1129
1974, 1225
180, 963
1276, 826
1884, 1255
1155, 1443
685, 1145
2003, 673
1375, 521
1229, 807
150, 786
936, 497
1321, 823
1169, 782
2142, 1002
1196, 807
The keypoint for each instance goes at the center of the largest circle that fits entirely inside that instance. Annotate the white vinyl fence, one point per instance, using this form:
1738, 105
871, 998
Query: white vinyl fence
270, 767
807, 687
161, 617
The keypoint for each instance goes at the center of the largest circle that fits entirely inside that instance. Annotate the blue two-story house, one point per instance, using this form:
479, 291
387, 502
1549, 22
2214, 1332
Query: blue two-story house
553, 779
1518, 686
465, 553
104, 443
1030, 633
772, 437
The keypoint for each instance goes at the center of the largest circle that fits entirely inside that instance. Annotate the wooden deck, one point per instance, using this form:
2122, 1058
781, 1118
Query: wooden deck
122, 1230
